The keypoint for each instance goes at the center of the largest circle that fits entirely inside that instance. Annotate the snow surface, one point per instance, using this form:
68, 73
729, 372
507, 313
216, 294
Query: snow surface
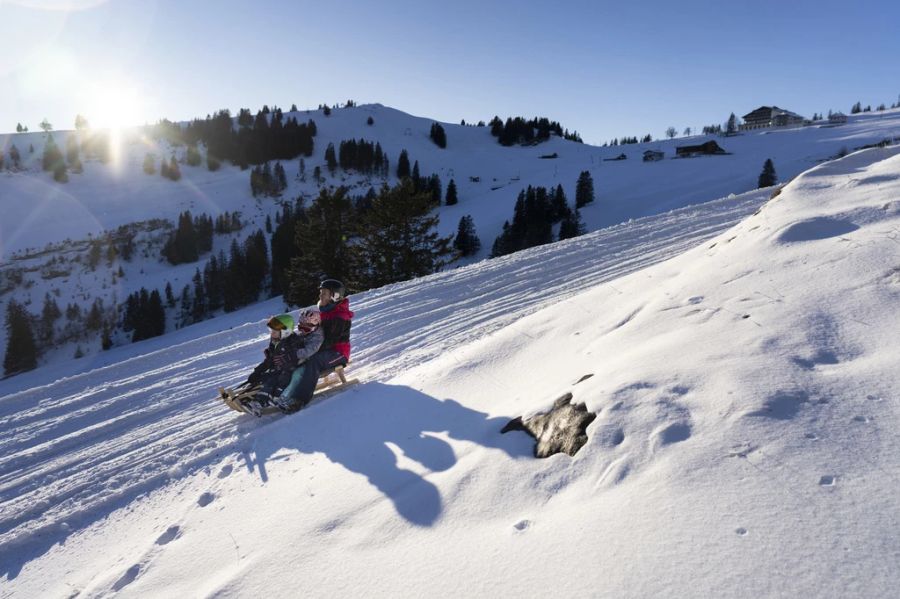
743, 355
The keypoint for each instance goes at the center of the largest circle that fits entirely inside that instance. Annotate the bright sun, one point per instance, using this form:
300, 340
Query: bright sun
114, 106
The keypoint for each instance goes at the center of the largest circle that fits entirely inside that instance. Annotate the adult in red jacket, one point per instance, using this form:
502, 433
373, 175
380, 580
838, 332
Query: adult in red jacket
334, 310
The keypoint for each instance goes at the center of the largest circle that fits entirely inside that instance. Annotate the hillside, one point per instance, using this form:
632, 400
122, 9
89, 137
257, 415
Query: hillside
744, 378
38, 211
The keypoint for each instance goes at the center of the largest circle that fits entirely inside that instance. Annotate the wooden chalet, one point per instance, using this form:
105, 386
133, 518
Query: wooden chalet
653, 156
708, 148
837, 118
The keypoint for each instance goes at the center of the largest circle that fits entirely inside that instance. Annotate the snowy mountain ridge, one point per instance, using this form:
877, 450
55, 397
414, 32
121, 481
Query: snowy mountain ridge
36, 210
743, 362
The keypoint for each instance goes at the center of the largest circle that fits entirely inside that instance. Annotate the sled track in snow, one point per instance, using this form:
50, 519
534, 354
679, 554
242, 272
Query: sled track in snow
79, 447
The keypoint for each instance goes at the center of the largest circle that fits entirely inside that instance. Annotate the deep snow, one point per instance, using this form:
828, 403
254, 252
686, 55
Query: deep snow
743, 355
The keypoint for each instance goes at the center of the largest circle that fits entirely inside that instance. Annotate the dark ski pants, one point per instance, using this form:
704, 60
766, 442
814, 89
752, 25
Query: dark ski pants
324, 360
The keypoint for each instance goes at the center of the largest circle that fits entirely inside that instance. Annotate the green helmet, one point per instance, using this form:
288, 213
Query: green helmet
281, 322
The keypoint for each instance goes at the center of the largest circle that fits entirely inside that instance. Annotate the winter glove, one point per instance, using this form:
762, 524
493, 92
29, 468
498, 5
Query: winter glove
281, 360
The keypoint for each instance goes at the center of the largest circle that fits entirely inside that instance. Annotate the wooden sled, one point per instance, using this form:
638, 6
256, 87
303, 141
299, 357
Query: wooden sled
330, 382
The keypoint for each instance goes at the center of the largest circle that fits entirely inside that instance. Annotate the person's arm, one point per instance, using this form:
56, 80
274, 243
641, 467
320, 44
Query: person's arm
311, 344
263, 366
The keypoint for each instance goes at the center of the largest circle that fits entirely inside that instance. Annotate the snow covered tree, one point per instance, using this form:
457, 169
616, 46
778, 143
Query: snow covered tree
584, 190
671, 132
767, 177
46, 126
21, 350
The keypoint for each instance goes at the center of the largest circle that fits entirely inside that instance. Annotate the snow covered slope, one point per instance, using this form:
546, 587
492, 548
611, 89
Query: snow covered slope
744, 377
35, 210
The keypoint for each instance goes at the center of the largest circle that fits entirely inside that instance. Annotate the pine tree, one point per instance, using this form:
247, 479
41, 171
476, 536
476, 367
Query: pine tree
559, 205
53, 157
434, 188
403, 165
466, 241
21, 350
72, 158
731, 127
106, 338
438, 135
399, 239
198, 301
156, 315
192, 156
170, 297
416, 177
584, 190
323, 243
571, 225
451, 193
767, 177
49, 315
15, 156
174, 172
330, 158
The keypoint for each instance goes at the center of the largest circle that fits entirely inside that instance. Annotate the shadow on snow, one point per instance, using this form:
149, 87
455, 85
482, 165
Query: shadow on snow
357, 432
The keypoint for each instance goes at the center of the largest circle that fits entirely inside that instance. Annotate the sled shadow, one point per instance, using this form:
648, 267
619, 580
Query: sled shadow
356, 429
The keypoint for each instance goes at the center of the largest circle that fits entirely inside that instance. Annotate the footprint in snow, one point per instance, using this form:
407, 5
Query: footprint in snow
170, 535
130, 575
742, 532
225, 471
206, 499
521, 525
861, 418
828, 480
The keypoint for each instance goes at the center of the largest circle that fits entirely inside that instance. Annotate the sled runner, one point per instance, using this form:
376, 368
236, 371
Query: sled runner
330, 382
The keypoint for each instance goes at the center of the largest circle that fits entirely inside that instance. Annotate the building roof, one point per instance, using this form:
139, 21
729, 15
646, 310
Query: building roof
769, 112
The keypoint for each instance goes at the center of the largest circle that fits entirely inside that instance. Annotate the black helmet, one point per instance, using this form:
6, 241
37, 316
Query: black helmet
334, 286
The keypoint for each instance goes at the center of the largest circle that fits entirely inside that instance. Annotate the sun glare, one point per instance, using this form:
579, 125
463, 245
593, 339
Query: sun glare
114, 106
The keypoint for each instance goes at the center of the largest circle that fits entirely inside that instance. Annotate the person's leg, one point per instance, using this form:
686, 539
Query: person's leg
302, 393
291, 389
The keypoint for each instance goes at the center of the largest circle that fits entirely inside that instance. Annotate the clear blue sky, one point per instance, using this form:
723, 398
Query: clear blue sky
605, 69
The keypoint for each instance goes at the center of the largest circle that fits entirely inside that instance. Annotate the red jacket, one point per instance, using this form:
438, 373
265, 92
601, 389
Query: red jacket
336, 326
